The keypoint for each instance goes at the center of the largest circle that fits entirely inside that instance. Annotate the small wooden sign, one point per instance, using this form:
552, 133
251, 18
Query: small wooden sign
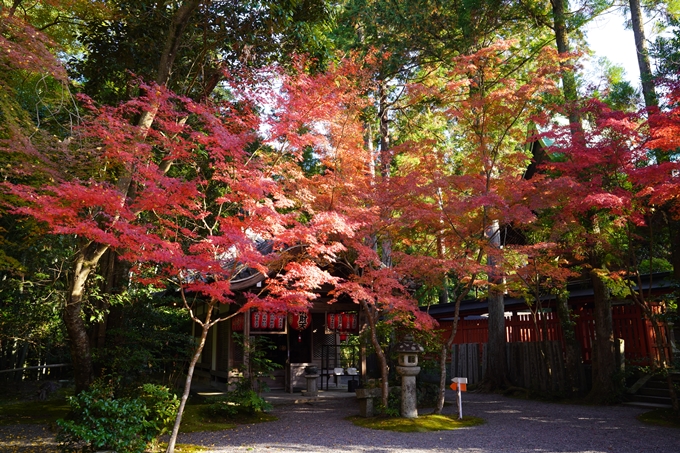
459, 382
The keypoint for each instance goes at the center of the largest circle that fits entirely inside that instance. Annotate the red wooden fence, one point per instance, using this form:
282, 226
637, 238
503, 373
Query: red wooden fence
628, 322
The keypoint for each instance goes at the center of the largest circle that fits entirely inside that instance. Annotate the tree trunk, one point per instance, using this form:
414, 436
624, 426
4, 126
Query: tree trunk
22, 352
108, 267
384, 369
89, 257
568, 79
575, 378
205, 327
79, 342
605, 388
443, 295
179, 23
445, 351
646, 77
383, 116
496, 367
543, 349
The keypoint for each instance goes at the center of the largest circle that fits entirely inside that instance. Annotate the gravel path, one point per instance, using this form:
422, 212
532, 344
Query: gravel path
27, 439
512, 425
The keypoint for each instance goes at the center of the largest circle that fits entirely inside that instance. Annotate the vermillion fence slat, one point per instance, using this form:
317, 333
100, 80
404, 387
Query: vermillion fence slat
629, 324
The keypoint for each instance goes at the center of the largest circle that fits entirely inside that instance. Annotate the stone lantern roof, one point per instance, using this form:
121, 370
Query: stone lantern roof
408, 345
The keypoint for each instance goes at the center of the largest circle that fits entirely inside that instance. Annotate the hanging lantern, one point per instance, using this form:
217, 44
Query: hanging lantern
299, 321
353, 322
238, 323
280, 321
346, 322
255, 320
349, 322
332, 321
267, 321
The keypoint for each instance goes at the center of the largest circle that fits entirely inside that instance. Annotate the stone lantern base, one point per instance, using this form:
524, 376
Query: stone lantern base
408, 375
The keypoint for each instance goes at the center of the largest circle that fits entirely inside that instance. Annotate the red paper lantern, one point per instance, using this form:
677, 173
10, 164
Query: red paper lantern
346, 321
332, 321
299, 321
353, 322
267, 321
238, 323
342, 322
255, 320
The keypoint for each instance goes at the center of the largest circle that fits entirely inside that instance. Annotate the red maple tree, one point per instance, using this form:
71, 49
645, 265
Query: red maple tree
453, 189
191, 196
606, 191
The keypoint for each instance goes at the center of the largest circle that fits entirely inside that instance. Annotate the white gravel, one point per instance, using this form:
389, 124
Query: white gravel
512, 425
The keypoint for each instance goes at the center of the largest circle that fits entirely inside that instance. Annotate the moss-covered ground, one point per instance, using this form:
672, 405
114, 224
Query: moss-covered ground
423, 423
661, 417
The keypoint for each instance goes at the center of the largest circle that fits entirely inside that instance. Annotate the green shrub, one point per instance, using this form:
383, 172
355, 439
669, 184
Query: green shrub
101, 421
426, 393
393, 408
242, 400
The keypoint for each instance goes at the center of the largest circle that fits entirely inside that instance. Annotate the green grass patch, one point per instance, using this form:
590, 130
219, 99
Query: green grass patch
196, 418
182, 448
422, 424
34, 412
661, 417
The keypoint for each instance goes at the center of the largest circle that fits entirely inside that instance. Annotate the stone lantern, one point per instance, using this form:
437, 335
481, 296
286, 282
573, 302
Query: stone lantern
408, 369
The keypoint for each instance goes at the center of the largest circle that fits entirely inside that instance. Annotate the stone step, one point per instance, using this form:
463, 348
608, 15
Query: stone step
647, 405
654, 391
650, 399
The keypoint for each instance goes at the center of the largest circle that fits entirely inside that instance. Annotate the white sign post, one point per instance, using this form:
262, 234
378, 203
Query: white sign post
460, 385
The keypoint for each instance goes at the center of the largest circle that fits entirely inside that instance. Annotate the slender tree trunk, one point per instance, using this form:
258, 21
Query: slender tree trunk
205, 327
573, 353
22, 352
173, 40
543, 350
445, 351
605, 389
646, 76
383, 116
444, 291
384, 369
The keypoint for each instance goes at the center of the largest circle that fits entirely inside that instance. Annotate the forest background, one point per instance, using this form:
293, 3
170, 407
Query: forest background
407, 152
